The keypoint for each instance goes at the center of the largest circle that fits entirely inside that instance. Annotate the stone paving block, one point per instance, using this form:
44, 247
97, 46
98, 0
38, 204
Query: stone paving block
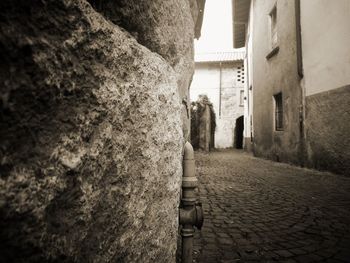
229, 254
326, 253
343, 255
249, 256
298, 251
309, 258
208, 235
288, 261
260, 211
224, 235
212, 247
225, 241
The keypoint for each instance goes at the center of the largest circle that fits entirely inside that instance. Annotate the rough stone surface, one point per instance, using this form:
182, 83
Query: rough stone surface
256, 210
163, 27
90, 134
327, 130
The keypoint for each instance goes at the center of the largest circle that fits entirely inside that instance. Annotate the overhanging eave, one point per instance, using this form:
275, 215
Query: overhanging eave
240, 16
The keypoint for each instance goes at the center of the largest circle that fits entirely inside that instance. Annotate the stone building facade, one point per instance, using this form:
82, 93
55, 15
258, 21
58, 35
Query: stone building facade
221, 77
94, 117
298, 80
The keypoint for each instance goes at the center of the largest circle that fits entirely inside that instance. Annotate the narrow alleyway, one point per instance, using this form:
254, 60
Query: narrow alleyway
261, 211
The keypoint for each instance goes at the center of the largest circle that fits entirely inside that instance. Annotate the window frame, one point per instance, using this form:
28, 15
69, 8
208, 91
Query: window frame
241, 97
273, 32
273, 27
278, 112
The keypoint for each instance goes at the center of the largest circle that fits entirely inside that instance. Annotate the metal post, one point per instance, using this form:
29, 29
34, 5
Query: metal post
191, 213
220, 89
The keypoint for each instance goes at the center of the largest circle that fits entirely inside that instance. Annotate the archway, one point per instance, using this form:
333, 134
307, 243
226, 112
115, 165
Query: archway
239, 132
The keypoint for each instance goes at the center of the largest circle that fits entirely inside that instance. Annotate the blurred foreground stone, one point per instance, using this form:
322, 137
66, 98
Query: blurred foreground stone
92, 128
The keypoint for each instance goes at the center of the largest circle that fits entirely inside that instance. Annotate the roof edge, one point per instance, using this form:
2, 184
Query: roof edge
240, 18
199, 21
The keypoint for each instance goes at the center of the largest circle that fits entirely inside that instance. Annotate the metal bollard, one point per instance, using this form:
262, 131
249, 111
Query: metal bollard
191, 213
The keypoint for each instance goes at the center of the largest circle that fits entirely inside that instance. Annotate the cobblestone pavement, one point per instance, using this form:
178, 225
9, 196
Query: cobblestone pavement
261, 211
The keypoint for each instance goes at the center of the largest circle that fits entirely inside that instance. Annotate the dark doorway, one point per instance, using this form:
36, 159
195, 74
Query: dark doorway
239, 133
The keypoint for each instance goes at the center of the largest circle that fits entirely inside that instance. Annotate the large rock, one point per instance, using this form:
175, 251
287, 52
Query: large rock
90, 132
164, 27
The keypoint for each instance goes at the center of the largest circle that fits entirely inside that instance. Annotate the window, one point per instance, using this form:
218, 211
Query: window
273, 27
240, 74
273, 39
241, 98
278, 112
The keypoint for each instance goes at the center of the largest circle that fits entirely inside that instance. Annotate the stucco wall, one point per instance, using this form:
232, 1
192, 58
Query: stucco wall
206, 80
274, 75
91, 135
325, 40
248, 88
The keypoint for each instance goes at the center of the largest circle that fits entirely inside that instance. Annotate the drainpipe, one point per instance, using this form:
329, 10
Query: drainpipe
298, 39
191, 213
300, 68
220, 83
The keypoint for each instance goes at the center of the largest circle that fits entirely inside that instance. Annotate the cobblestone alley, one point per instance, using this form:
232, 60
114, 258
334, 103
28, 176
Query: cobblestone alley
261, 211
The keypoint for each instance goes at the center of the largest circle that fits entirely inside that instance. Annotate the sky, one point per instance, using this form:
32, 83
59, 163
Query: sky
216, 34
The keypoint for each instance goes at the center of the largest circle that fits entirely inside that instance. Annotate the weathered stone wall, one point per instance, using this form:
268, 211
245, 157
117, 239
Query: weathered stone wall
231, 85
326, 83
327, 130
91, 135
